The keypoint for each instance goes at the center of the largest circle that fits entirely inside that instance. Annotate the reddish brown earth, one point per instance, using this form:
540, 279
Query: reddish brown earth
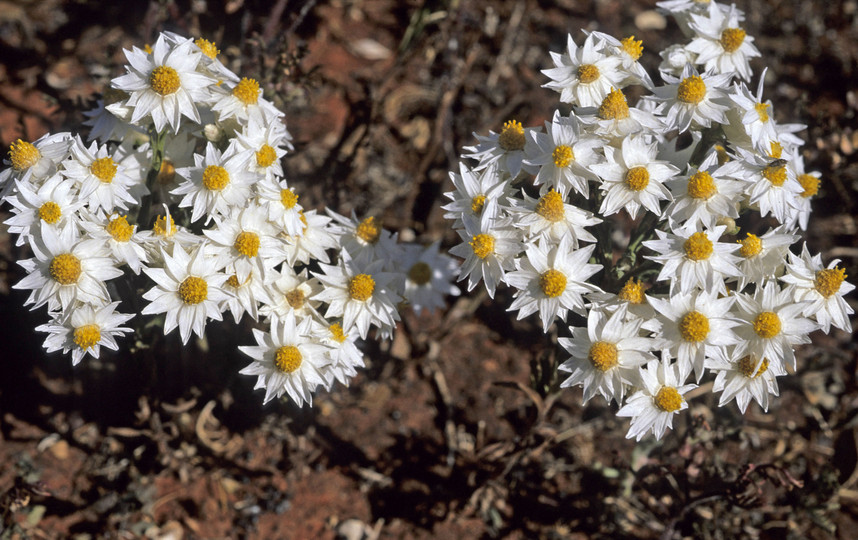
442, 436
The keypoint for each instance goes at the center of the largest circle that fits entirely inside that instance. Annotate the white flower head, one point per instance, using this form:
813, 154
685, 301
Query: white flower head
720, 43
118, 236
290, 292
745, 378
774, 188
549, 218
475, 192
428, 277
585, 75
281, 203
706, 194
53, 204
762, 257
658, 399
102, 181
84, 330
693, 98
822, 288
243, 241
488, 247
34, 162
506, 149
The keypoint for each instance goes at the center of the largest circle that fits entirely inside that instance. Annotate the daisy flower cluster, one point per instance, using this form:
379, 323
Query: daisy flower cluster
681, 257
176, 206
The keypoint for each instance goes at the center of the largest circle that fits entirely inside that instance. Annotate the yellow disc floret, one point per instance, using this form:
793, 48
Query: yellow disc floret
587, 73
694, 326
215, 177
751, 246
65, 269
266, 156
164, 80
119, 229
668, 399
208, 48
361, 287
777, 150
420, 273
483, 245
23, 155
767, 324
193, 290
632, 47
614, 106
369, 230
632, 292
337, 332
288, 198
701, 186
698, 247
552, 283
247, 243
288, 358
810, 184
160, 227
104, 169
295, 298
603, 355
828, 281
477, 203
776, 174
247, 91
637, 178
562, 156
731, 39
233, 281
762, 111
511, 138
550, 206
87, 336
50, 212
747, 364
691, 90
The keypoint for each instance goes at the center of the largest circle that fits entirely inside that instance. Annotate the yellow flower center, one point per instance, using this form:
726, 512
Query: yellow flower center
731, 39
637, 178
369, 230
160, 227
777, 150
295, 298
694, 327
632, 292
193, 290
614, 106
701, 186
587, 73
104, 169
247, 91
827, 281
477, 204
215, 178
50, 212
603, 355
23, 155
361, 287
288, 198
723, 156
247, 243
776, 174
420, 273
632, 47
287, 359
552, 283
810, 184
337, 332
119, 229
747, 364
691, 90
562, 156
87, 336
511, 138
668, 399
698, 247
762, 111
166, 173
265, 156
550, 206
767, 325
65, 269
207, 47
483, 245
147, 48
164, 80
751, 246
233, 281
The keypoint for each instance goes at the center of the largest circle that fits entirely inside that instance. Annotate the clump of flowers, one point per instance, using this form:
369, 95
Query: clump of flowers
179, 192
705, 284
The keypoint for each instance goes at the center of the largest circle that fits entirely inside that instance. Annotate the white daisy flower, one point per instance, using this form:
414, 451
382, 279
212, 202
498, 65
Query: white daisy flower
313, 242
343, 354
102, 181
632, 177
563, 155
476, 191
695, 327
606, 355
163, 234
209, 62
243, 101
633, 299
721, 44
108, 121
357, 290
216, 182
244, 296
629, 50
745, 378
34, 162
366, 237
771, 324
762, 257
775, 189
281, 203
821, 287
243, 242
165, 84
287, 360
84, 330
660, 397
118, 236
809, 182
614, 119
189, 290
488, 247
706, 194
506, 149
693, 258
552, 281
428, 277
750, 119
674, 58
290, 292
65, 270
269, 143
53, 204
584, 76
693, 98
551, 219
